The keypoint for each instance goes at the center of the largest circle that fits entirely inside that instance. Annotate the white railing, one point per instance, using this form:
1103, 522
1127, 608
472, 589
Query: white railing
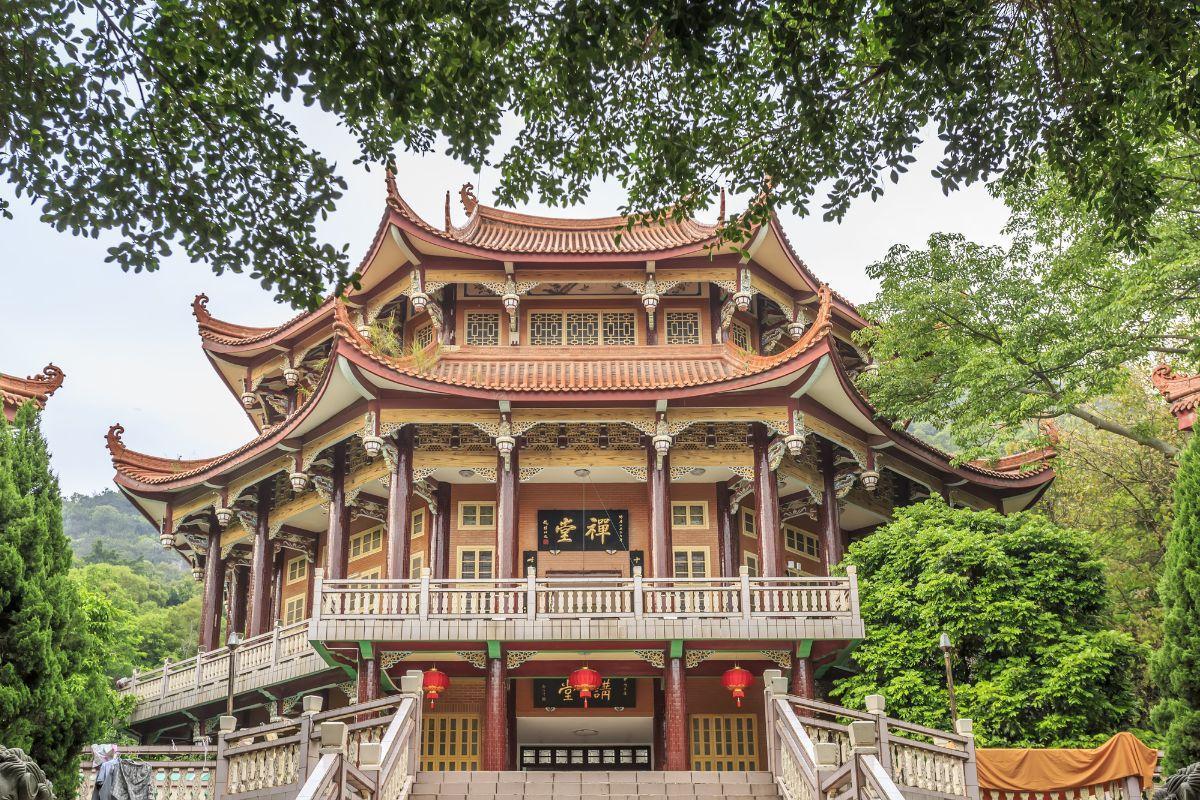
559, 598
820, 751
176, 773
257, 654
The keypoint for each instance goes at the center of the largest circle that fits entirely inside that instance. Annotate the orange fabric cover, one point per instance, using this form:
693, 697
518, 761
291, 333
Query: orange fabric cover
1047, 770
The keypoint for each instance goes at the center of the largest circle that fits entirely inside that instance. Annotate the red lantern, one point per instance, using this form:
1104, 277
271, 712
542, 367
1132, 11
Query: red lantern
584, 680
736, 680
434, 683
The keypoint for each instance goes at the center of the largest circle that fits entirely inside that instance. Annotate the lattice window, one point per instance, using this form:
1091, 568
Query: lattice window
477, 515
583, 328
748, 526
449, 742
689, 515
546, 328
423, 336
297, 569
740, 335
483, 330
683, 327
366, 543
418, 523
724, 742
620, 328
476, 564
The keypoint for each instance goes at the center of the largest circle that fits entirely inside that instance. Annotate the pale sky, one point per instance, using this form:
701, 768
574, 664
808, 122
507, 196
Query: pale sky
128, 343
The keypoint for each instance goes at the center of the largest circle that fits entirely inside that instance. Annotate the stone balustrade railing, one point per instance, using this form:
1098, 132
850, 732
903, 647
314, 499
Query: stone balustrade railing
177, 773
819, 751
536, 599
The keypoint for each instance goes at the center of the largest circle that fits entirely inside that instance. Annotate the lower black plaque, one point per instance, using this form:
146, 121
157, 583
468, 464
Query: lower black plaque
557, 693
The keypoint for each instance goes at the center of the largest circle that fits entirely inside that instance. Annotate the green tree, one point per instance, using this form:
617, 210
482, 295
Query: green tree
979, 340
104, 527
54, 694
1023, 602
161, 120
1176, 670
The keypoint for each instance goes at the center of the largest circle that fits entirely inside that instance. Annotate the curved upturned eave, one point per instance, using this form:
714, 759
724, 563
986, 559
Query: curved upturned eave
932, 456
201, 470
841, 305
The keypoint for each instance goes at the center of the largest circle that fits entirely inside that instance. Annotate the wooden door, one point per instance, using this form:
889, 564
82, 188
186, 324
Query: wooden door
724, 742
450, 742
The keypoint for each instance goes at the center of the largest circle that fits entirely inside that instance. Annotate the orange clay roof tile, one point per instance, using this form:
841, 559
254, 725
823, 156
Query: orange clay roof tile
15, 392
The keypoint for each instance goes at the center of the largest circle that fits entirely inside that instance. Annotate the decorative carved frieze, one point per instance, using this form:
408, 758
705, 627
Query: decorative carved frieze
305, 545
391, 658
476, 658
694, 658
781, 657
639, 473
349, 688
515, 658
794, 509
527, 473
655, 658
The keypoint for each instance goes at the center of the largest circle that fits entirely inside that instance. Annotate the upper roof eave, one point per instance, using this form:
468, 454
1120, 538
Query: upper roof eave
15, 391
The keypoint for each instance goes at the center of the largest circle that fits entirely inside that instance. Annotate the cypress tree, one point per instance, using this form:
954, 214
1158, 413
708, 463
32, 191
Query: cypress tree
54, 695
1176, 666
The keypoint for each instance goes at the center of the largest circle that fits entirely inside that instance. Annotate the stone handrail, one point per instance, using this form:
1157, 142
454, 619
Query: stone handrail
534, 598
367, 751
177, 773
840, 746
209, 668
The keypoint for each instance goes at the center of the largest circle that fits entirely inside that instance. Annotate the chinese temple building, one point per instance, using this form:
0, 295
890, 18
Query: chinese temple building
16, 392
589, 477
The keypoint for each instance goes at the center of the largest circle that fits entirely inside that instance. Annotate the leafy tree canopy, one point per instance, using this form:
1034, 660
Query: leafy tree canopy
162, 120
54, 638
1177, 715
105, 527
1024, 604
981, 339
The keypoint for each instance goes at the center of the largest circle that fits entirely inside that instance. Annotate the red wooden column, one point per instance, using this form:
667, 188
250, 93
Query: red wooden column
658, 484
766, 496
832, 547
398, 519
439, 543
495, 714
660, 713
727, 534
261, 570
675, 717
214, 588
368, 676
336, 554
508, 542
801, 682
277, 567
236, 603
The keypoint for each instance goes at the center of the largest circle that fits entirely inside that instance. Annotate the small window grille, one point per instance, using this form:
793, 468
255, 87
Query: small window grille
740, 335
483, 330
683, 327
583, 329
545, 329
424, 336
620, 328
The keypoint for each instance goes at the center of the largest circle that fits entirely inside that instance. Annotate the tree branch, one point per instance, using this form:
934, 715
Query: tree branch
1121, 430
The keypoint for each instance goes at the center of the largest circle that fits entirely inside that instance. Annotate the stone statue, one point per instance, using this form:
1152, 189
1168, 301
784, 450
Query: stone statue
1183, 785
20, 778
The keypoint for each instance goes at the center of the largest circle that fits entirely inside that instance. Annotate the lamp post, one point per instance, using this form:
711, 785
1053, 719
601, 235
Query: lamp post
946, 646
233, 641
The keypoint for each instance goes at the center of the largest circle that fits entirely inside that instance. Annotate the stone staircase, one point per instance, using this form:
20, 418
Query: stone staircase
625, 785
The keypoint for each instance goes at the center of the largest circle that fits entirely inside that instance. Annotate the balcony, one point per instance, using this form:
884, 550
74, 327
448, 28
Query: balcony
574, 609
275, 657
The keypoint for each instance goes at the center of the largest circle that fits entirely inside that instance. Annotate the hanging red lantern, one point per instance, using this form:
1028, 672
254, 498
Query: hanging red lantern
585, 681
736, 680
434, 683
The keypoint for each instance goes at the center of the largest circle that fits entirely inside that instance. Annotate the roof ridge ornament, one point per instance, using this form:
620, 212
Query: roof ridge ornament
200, 308
467, 195
113, 440
50, 376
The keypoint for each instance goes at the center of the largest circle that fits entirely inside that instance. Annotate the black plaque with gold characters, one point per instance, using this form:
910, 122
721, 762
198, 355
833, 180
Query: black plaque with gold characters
575, 531
557, 693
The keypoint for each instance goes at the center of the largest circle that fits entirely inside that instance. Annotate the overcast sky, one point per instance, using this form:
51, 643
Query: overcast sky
128, 342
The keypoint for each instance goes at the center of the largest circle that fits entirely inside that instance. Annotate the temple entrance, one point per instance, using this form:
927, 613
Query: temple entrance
579, 741
450, 742
724, 742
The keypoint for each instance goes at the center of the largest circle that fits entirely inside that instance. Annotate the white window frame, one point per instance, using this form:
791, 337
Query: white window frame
802, 538
476, 549
362, 536
477, 504
690, 551
416, 562
417, 514
300, 601
751, 562
301, 573
688, 506
749, 515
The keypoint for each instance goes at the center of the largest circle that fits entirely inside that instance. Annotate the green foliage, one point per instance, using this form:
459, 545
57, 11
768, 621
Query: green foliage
384, 337
979, 340
55, 696
159, 119
1175, 665
1024, 604
104, 527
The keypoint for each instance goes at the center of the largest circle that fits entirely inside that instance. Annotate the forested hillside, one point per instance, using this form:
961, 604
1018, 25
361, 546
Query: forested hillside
117, 555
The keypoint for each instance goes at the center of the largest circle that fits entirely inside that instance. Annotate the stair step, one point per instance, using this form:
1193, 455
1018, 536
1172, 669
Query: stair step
618, 785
